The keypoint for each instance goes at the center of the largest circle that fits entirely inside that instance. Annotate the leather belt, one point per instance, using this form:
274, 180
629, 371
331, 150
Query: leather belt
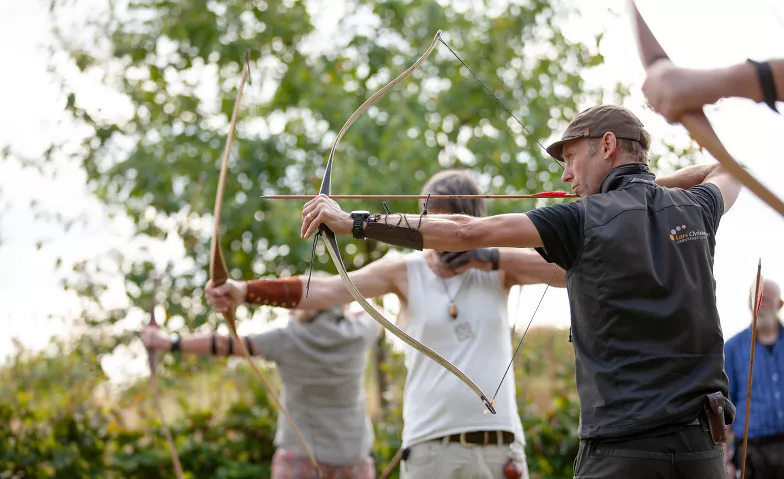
480, 438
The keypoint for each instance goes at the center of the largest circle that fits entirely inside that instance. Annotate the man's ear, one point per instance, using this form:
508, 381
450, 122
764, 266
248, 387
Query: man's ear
609, 144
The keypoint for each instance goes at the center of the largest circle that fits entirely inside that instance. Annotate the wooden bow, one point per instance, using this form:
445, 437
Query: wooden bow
696, 123
152, 357
698, 126
334, 252
756, 306
219, 272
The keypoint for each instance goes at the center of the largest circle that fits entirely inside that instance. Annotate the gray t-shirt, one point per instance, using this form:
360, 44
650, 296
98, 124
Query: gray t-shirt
322, 367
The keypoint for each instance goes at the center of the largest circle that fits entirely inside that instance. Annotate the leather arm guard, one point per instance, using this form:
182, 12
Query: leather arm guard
396, 235
284, 292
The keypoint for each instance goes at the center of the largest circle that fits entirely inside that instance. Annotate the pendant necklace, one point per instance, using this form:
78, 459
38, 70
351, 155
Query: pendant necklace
452, 306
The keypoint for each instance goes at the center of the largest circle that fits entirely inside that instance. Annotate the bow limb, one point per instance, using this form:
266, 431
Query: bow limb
334, 251
369, 102
219, 273
696, 123
152, 360
756, 305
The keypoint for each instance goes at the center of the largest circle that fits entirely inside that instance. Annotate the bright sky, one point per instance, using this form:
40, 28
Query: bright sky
699, 33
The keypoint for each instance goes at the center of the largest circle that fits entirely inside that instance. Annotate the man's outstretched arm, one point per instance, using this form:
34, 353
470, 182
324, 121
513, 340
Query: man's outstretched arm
440, 232
197, 344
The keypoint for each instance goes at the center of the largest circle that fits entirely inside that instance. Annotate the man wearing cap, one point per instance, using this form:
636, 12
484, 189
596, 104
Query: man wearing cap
638, 254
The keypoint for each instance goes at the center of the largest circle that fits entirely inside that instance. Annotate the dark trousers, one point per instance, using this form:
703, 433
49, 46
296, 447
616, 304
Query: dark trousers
688, 453
764, 457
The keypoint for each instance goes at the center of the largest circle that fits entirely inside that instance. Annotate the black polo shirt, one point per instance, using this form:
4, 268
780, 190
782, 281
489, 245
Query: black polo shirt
646, 331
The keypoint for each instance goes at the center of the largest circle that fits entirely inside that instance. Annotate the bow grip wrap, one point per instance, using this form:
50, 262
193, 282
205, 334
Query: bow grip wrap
401, 236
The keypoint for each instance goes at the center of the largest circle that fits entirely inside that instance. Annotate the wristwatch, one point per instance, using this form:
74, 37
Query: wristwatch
359, 217
175, 342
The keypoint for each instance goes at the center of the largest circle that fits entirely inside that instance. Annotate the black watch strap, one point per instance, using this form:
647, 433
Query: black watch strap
356, 229
767, 84
176, 343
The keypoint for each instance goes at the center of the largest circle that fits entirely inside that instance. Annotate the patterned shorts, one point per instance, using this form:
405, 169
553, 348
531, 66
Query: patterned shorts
292, 465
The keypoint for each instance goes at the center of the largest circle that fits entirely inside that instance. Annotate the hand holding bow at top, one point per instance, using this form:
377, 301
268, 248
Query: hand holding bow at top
674, 91
227, 296
324, 210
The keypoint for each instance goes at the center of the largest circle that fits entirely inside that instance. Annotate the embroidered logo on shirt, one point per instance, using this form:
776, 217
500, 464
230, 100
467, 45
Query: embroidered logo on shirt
680, 235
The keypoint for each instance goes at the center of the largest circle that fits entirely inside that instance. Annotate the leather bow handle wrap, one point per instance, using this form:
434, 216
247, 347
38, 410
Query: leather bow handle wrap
219, 272
696, 123
334, 251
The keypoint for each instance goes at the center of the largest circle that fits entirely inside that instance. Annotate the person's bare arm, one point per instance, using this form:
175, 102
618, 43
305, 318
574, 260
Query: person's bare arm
439, 232
741, 80
686, 177
526, 266
376, 279
463, 232
198, 344
673, 91
728, 185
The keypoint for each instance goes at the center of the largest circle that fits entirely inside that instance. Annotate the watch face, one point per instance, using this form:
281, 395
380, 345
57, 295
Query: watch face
360, 213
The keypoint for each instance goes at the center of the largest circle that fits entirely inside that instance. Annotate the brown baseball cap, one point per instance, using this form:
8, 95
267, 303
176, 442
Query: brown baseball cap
598, 120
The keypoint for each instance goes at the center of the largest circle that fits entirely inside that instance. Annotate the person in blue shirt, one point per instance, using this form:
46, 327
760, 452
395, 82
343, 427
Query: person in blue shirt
765, 449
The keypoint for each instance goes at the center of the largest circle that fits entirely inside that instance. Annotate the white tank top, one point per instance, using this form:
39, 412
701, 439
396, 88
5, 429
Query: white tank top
436, 403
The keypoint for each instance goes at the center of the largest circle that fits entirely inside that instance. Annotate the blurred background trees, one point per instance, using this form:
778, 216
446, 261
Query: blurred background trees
148, 85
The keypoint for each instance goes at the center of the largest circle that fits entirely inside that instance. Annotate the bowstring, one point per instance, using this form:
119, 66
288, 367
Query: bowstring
501, 102
508, 110
517, 349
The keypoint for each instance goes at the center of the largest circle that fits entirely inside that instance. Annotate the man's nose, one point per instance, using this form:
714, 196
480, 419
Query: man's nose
567, 176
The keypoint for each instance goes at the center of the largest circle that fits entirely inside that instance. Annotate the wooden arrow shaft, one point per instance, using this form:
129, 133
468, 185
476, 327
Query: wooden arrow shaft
756, 305
550, 194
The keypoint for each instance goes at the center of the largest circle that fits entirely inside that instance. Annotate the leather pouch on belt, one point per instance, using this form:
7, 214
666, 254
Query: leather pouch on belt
714, 410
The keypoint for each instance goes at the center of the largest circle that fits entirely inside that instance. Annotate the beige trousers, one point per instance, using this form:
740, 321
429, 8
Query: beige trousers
452, 460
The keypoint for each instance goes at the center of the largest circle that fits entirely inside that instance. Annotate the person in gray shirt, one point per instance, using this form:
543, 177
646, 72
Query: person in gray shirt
321, 357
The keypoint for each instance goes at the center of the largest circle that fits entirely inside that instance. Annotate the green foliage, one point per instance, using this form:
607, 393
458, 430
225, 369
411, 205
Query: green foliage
224, 427
155, 160
150, 148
